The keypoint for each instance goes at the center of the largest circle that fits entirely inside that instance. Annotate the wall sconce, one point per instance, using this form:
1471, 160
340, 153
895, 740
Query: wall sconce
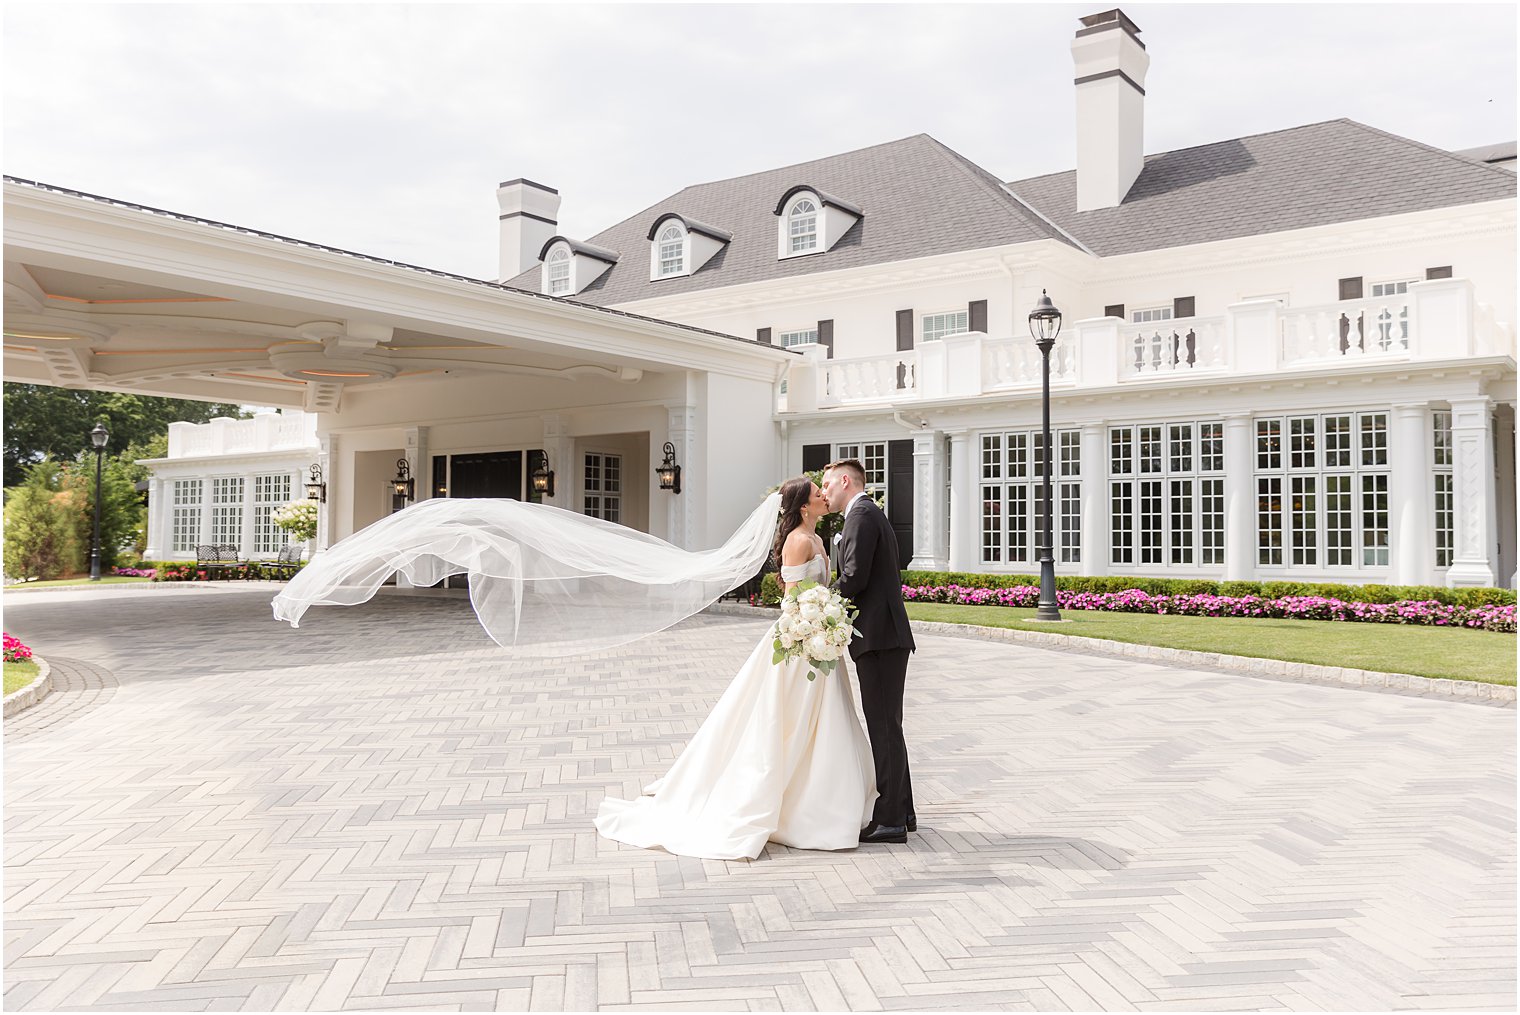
316, 489
402, 486
668, 471
543, 480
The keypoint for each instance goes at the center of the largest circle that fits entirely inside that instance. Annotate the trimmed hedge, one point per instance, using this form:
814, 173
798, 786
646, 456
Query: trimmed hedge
1469, 597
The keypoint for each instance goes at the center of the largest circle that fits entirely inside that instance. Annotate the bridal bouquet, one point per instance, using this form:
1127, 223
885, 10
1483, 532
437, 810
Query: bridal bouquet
815, 624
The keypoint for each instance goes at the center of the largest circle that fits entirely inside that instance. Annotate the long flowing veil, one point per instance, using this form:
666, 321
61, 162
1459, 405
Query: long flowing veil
544, 581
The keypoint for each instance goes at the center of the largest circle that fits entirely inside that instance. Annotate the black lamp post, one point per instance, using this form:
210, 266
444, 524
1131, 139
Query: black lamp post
543, 479
402, 487
1045, 325
316, 487
98, 437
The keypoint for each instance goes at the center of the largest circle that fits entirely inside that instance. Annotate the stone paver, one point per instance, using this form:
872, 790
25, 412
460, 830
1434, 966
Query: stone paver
381, 810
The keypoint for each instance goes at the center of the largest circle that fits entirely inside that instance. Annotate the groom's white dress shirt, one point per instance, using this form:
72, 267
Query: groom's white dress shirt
851, 504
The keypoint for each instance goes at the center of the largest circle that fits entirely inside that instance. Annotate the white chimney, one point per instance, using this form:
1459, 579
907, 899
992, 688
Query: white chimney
1111, 63
529, 218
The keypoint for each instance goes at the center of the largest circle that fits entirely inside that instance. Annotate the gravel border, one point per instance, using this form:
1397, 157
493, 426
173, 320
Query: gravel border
33, 693
1471, 691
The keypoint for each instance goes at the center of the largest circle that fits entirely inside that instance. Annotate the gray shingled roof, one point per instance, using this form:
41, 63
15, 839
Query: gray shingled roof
1323, 173
1502, 152
918, 198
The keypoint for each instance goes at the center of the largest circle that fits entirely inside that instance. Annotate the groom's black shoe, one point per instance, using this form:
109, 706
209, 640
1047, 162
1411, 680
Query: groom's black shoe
884, 833
912, 822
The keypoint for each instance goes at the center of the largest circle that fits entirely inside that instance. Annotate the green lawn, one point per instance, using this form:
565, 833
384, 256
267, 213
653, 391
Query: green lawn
1457, 654
113, 580
18, 675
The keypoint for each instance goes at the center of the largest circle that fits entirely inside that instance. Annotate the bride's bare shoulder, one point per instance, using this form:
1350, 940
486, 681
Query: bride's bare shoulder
799, 548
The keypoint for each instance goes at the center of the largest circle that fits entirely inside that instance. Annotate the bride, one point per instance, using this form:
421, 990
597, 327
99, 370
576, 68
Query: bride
780, 758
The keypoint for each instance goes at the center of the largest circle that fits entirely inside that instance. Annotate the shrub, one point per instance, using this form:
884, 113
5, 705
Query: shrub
770, 589
1277, 590
41, 530
1236, 589
15, 652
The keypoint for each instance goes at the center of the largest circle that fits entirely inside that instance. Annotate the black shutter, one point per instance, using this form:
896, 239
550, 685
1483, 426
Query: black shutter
826, 336
1115, 310
1351, 288
763, 336
900, 496
1183, 306
815, 456
976, 316
904, 330
1434, 273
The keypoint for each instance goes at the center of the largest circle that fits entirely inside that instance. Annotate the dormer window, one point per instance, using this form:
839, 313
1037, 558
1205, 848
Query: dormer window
680, 246
808, 221
570, 266
559, 272
802, 226
672, 251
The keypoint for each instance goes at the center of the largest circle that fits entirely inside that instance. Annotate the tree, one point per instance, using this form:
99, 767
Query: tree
41, 526
42, 420
122, 513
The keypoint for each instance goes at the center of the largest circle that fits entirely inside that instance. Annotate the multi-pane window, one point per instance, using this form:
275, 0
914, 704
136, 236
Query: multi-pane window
1322, 490
672, 251
1167, 493
1445, 503
805, 337
1147, 315
936, 326
185, 517
269, 492
603, 487
872, 455
802, 226
227, 511
1012, 500
559, 272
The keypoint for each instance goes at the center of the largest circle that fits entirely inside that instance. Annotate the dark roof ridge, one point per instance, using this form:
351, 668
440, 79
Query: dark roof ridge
1453, 156
994, 186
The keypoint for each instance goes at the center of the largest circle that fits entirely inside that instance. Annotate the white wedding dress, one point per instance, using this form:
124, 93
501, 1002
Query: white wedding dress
780, 759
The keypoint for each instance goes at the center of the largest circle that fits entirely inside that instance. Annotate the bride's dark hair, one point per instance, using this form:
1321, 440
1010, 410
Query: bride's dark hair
795, 494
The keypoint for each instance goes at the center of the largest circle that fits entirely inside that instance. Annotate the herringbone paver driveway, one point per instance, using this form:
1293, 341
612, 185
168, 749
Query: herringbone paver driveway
381, 811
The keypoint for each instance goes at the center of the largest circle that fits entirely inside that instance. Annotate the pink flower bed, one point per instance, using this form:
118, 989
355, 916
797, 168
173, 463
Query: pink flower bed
134, 572
1431, 613
15, 652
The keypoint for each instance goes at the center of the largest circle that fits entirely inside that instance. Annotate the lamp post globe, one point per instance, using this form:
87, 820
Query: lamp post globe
1045, 325
98, 439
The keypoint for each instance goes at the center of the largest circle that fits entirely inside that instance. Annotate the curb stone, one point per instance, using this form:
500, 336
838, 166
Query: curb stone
1470, 691
33, 693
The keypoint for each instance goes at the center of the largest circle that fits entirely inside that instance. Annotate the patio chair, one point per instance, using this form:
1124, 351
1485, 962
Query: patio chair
287, 563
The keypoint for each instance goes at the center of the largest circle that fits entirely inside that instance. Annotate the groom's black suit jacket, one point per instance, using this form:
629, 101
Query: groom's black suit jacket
870, 577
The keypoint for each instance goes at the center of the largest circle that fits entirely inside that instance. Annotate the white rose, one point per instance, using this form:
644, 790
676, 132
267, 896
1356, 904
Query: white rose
784, 625
787, 641
833, 611
810, 612
817, 646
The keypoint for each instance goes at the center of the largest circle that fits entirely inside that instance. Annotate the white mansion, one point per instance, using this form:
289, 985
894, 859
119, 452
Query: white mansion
1290, 355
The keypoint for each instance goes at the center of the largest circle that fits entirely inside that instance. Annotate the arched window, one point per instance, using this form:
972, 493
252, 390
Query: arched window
802, 226
672, 250
559, 271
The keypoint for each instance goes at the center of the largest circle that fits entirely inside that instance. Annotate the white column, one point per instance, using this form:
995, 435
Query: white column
327, 457
157, 512
1095, 504
206, 485
1239, 497
1504, 453
418, 461
680, 507
963, 501
1410, 494
931, 550
1473, 485
559, 448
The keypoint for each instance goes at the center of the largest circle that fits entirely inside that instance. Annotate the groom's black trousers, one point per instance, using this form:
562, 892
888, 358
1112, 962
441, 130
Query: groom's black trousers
882, 675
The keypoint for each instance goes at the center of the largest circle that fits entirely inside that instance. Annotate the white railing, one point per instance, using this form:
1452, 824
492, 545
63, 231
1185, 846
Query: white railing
1348, 330
1165, 348
869, 379
1435, 320
264, 432
291, 431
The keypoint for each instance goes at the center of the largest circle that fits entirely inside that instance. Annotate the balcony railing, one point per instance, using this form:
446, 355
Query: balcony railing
1438, 319
264, 432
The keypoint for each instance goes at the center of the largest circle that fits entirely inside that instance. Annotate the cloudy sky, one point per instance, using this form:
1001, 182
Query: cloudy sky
385, 128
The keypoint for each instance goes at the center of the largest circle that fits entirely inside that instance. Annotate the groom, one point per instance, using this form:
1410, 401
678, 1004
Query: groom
869, 577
